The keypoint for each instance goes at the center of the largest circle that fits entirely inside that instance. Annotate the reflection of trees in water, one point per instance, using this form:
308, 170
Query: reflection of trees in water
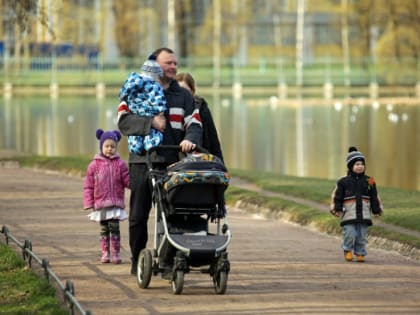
255, 134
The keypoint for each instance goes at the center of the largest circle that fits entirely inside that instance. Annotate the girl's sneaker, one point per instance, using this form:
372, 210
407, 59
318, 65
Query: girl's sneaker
348, 256
360, 258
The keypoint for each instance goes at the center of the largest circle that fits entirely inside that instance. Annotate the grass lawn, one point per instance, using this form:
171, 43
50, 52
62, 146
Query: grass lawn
22, 291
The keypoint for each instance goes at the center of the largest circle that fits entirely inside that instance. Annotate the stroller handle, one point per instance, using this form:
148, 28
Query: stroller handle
167, 147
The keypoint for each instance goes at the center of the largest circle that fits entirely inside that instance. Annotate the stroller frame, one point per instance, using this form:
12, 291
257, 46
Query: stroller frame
177, 250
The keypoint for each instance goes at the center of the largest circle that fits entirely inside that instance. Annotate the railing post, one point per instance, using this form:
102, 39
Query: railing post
27, 245
5, 231
45, 265
70, 289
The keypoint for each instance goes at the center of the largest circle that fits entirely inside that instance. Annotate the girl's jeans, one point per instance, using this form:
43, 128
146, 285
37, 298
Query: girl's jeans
355, 238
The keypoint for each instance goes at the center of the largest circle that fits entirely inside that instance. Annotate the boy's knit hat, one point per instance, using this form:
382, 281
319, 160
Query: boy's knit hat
151, 68
354, 156
103, 135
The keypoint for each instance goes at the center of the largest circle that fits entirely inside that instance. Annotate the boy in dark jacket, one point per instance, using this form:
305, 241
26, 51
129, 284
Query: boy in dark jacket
354, 199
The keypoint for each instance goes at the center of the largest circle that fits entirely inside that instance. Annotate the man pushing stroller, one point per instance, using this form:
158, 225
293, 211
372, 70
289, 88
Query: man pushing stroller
180, 125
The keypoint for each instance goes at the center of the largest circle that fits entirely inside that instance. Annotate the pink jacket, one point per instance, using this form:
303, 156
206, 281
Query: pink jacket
105, 181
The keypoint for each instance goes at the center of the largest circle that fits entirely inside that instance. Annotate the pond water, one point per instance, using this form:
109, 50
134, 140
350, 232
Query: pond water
301, 138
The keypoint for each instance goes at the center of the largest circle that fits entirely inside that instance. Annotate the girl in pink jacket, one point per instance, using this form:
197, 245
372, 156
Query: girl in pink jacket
103, 193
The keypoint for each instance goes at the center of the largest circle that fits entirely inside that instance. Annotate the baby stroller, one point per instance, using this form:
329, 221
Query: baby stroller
187, 196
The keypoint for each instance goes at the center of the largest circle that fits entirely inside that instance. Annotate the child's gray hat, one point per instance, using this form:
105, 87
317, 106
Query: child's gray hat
151, 68
354, 156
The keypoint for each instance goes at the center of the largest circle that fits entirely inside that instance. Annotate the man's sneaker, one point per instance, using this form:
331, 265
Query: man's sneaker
133, 268
360, 258
166, 274
348, 255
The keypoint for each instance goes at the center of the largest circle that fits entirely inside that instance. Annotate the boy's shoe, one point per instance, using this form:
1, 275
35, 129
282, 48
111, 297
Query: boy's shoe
348, 256
360, 258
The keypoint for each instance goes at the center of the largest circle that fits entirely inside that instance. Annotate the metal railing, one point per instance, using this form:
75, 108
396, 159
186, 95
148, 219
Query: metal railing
67, 288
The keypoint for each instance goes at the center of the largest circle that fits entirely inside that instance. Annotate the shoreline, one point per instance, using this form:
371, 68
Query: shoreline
407, 94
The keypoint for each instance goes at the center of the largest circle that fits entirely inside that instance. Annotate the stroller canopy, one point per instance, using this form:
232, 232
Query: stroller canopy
201, 168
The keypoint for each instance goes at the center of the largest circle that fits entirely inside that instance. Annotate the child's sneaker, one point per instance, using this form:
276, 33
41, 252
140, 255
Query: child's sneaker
360, 258
348, 255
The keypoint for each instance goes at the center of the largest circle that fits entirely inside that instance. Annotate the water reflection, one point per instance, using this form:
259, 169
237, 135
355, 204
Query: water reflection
302, 139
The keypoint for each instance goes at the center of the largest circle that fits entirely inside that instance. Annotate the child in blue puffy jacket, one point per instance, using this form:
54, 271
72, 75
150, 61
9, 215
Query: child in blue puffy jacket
143, 95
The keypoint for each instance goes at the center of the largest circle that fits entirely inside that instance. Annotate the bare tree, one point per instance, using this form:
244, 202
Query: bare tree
413, 19
394, 25
398, 26
19, 18
183, 26
127, 27
363, 11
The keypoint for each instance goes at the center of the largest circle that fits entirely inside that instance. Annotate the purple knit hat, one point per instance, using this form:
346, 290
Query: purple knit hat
103, 135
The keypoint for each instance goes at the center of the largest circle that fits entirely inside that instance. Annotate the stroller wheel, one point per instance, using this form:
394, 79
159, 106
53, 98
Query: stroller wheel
220, 282
177, 282
144, 268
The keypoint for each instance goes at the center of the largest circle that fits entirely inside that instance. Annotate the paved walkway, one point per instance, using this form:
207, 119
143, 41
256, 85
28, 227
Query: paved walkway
276, 267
